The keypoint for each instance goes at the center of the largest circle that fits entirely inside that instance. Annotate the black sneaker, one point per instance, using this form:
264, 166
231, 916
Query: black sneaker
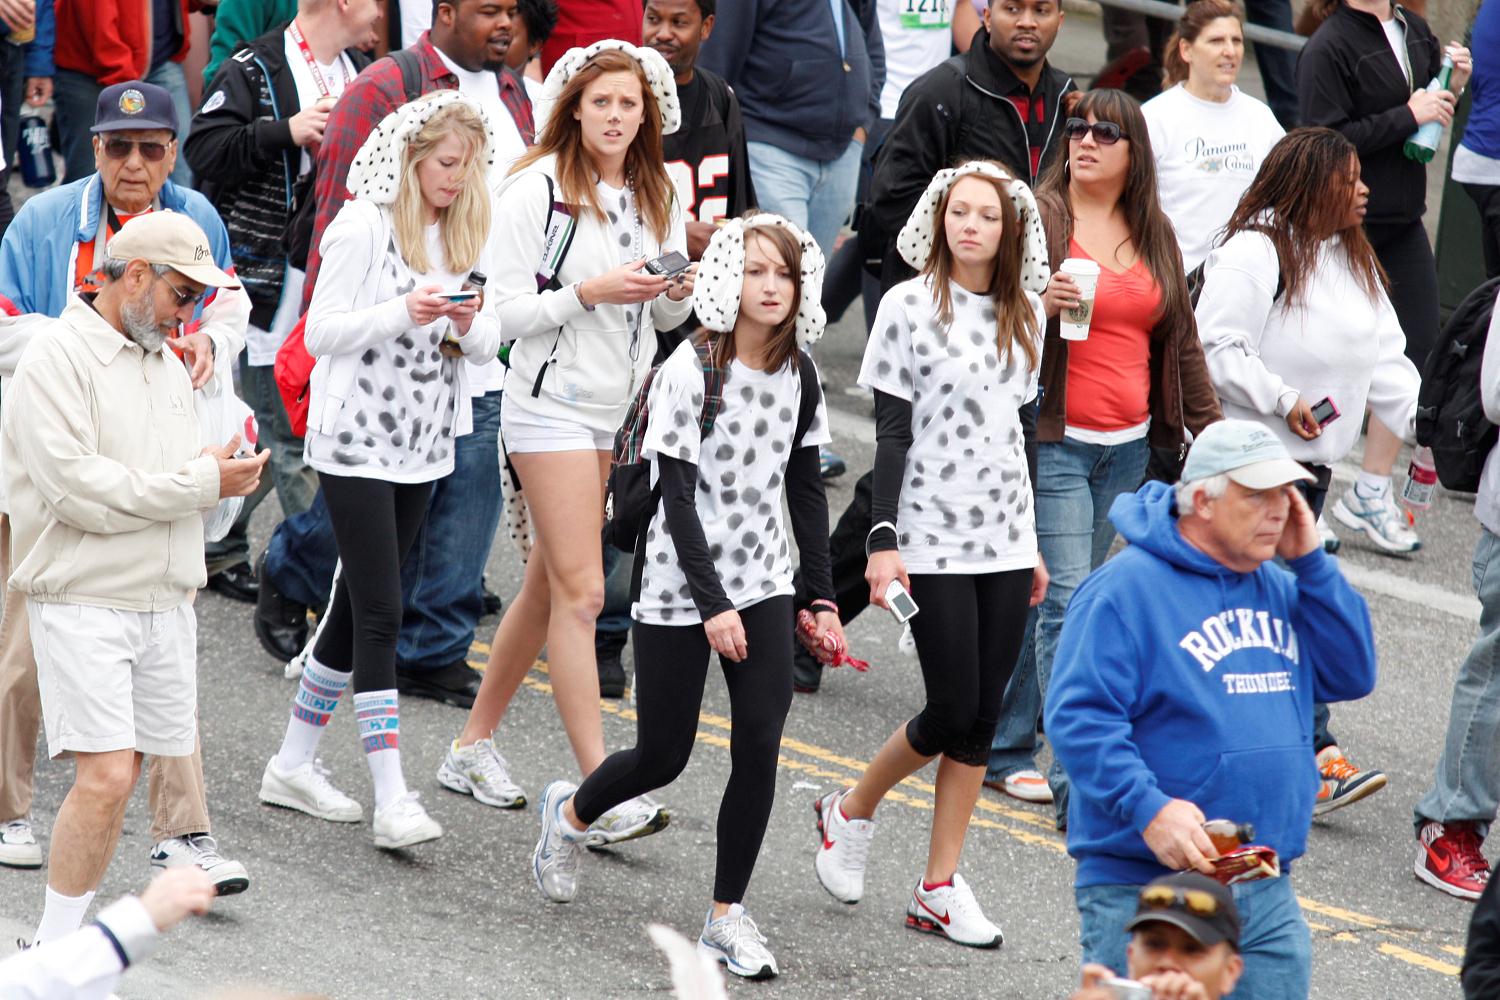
238, 583
280, 622
492, 602
456, 684
607, 650
807, 672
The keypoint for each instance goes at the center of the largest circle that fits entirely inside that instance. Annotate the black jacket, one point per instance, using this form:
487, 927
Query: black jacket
240, 147
1349, 79
1481, 973
958, 110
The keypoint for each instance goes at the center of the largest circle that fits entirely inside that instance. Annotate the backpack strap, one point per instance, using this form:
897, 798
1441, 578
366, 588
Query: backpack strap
557, 239
811, 393
713, 387
411, 73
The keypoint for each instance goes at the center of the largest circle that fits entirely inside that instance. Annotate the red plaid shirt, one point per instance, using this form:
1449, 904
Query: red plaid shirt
374, 94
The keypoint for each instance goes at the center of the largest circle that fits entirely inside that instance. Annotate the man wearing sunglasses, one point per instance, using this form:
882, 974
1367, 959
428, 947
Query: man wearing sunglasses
1183, 690
1184, 943
50, 253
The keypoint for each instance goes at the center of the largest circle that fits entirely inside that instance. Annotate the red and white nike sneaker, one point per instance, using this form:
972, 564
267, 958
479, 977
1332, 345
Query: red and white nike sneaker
844, 848
1449, 859
951, 910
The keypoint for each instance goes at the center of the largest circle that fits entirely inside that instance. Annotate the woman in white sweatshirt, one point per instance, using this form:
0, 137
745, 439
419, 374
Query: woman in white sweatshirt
584, 329
388, 399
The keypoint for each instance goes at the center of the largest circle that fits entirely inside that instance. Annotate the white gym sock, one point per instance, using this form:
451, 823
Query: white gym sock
317, 696
1369, 486
62, 915
379, 720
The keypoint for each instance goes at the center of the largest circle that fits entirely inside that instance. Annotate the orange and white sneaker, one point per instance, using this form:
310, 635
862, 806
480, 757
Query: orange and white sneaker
951, 910
1343, 783
1027, 785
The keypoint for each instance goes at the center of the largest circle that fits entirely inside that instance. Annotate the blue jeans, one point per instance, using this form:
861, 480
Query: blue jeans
302, 553
816, 196
1014, 748
170, 77
614, 617
1076, 484
1467, 783
1274, 939
1278, 67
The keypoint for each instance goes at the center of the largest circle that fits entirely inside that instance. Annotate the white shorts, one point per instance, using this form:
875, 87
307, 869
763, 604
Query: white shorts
116, 680
523, 431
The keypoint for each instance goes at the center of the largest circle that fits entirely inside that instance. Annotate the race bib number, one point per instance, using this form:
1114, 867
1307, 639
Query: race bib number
920, 14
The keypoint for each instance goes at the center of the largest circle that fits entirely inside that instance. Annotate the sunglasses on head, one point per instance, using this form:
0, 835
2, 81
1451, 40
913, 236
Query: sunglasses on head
1165, 897
119, 149
1105, 133
185, 298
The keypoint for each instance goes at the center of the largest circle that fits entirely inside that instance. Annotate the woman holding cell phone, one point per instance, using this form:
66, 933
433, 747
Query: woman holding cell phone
952, 359
1122, 371
387, 403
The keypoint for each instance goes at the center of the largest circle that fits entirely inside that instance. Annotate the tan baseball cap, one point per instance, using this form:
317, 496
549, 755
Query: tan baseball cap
173, 239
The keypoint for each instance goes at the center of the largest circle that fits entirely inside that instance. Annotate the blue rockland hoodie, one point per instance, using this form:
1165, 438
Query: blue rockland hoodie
1176, 677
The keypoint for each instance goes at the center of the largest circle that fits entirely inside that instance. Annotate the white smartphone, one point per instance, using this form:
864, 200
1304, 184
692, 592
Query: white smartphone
898, 599
462, 295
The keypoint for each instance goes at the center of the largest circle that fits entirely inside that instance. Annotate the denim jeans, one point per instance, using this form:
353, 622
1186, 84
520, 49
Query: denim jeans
76, 99
1076, 484
1467, 783
170, 77
816, 196
614, 617
1014, 748
1278, 66
302, 554
294, 480
1274, 939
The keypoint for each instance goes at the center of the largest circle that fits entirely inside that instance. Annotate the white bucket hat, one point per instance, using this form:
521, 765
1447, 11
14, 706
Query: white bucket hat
721, 276
375, 173
658, 74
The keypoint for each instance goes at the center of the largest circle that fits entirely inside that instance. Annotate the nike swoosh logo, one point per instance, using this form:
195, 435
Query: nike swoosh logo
827, 844
941, 917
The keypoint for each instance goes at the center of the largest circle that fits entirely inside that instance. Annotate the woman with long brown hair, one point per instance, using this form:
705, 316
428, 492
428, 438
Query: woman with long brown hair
1294, 311
1136, 382
952, 360
578, 218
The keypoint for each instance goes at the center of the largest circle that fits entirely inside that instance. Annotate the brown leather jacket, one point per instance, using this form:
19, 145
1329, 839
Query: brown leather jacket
1181, 393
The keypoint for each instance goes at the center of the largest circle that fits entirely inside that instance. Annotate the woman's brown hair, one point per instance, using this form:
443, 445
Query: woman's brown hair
1150, 230
1300, 199
645, 171
1198, 14
1015, 319
782, 347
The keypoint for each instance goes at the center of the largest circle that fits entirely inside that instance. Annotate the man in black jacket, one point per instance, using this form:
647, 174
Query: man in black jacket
251, 140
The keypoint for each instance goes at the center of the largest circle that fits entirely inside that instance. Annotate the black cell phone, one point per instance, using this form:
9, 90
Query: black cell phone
669, 264
1325, 412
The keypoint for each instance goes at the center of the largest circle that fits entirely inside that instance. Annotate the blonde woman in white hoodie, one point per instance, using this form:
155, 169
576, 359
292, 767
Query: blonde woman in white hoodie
1293, 312
584, 341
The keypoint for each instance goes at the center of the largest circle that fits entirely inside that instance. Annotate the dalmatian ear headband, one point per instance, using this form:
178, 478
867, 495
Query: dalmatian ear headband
721, 276
658, 74
375, 173
915, 241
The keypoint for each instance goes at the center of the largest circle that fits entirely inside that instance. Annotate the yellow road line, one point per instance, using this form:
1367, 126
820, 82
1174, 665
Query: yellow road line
1419, 960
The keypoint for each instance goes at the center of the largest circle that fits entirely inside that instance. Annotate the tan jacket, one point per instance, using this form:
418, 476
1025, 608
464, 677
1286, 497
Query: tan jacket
102, 467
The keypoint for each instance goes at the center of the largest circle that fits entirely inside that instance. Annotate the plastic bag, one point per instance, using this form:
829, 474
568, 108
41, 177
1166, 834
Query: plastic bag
222, 415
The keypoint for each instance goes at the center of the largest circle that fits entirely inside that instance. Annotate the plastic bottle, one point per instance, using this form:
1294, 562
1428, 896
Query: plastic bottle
37, 168
1227, 835
1423, 143
1421, 480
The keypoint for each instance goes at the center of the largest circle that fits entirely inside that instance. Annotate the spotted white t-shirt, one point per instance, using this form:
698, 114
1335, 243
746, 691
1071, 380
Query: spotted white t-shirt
966, 501
741, 467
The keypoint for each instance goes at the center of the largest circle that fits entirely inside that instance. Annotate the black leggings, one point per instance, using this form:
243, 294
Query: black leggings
1407, 258
671, 667
375, 523
968, 633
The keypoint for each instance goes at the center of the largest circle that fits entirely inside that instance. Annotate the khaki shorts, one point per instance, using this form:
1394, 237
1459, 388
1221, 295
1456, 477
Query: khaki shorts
116, 680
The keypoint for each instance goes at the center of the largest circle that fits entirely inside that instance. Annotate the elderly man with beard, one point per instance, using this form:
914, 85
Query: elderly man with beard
107, 482
49, 254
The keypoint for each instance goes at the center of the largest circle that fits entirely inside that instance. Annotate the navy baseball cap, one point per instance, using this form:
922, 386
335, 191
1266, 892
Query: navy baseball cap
1195, 904
134, 105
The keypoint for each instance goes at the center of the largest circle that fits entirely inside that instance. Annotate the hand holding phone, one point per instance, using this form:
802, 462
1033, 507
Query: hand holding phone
462, 295
668, 265
1324, 411
898, 601
880, 569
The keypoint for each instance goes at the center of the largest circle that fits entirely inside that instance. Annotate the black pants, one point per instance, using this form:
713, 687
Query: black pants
375, 523
968, 634
1487, 197
1407, 258
671, 668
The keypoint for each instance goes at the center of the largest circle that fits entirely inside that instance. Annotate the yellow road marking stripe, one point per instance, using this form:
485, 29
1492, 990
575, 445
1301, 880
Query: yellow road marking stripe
1419, 960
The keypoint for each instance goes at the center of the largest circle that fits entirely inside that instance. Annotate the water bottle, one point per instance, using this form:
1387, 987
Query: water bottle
1421, 480
1423, 143
37, 169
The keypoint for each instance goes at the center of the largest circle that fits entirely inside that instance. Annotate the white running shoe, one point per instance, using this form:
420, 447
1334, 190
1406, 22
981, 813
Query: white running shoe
845, 848
480, 771
403, 823
307, 789
18, 846
554, 860
1027, 785
736, 943
1331, 541
1381, 521
952, 911
202, 850
638, 817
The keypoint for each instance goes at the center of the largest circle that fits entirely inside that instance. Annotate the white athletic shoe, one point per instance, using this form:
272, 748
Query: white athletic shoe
1381, 521
18, 846
554, 860
736, 943
403, 823
1027, 785
844, 850
952, 911
1331, 541
203, 851
480, 771
638, 817
307, 789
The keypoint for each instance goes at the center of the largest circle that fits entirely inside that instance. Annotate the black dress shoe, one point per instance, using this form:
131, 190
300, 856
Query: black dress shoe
807, 673
611, 670
492, 602
236, 583
456, 684
280, 622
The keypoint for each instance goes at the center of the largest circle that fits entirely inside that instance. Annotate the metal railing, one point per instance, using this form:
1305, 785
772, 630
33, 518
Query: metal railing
1171, 12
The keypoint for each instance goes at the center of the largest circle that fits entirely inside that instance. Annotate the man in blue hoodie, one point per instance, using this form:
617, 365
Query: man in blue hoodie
1183, 691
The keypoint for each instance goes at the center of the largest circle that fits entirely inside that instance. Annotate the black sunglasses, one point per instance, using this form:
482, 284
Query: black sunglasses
119, 149
1105, 133
185, 298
